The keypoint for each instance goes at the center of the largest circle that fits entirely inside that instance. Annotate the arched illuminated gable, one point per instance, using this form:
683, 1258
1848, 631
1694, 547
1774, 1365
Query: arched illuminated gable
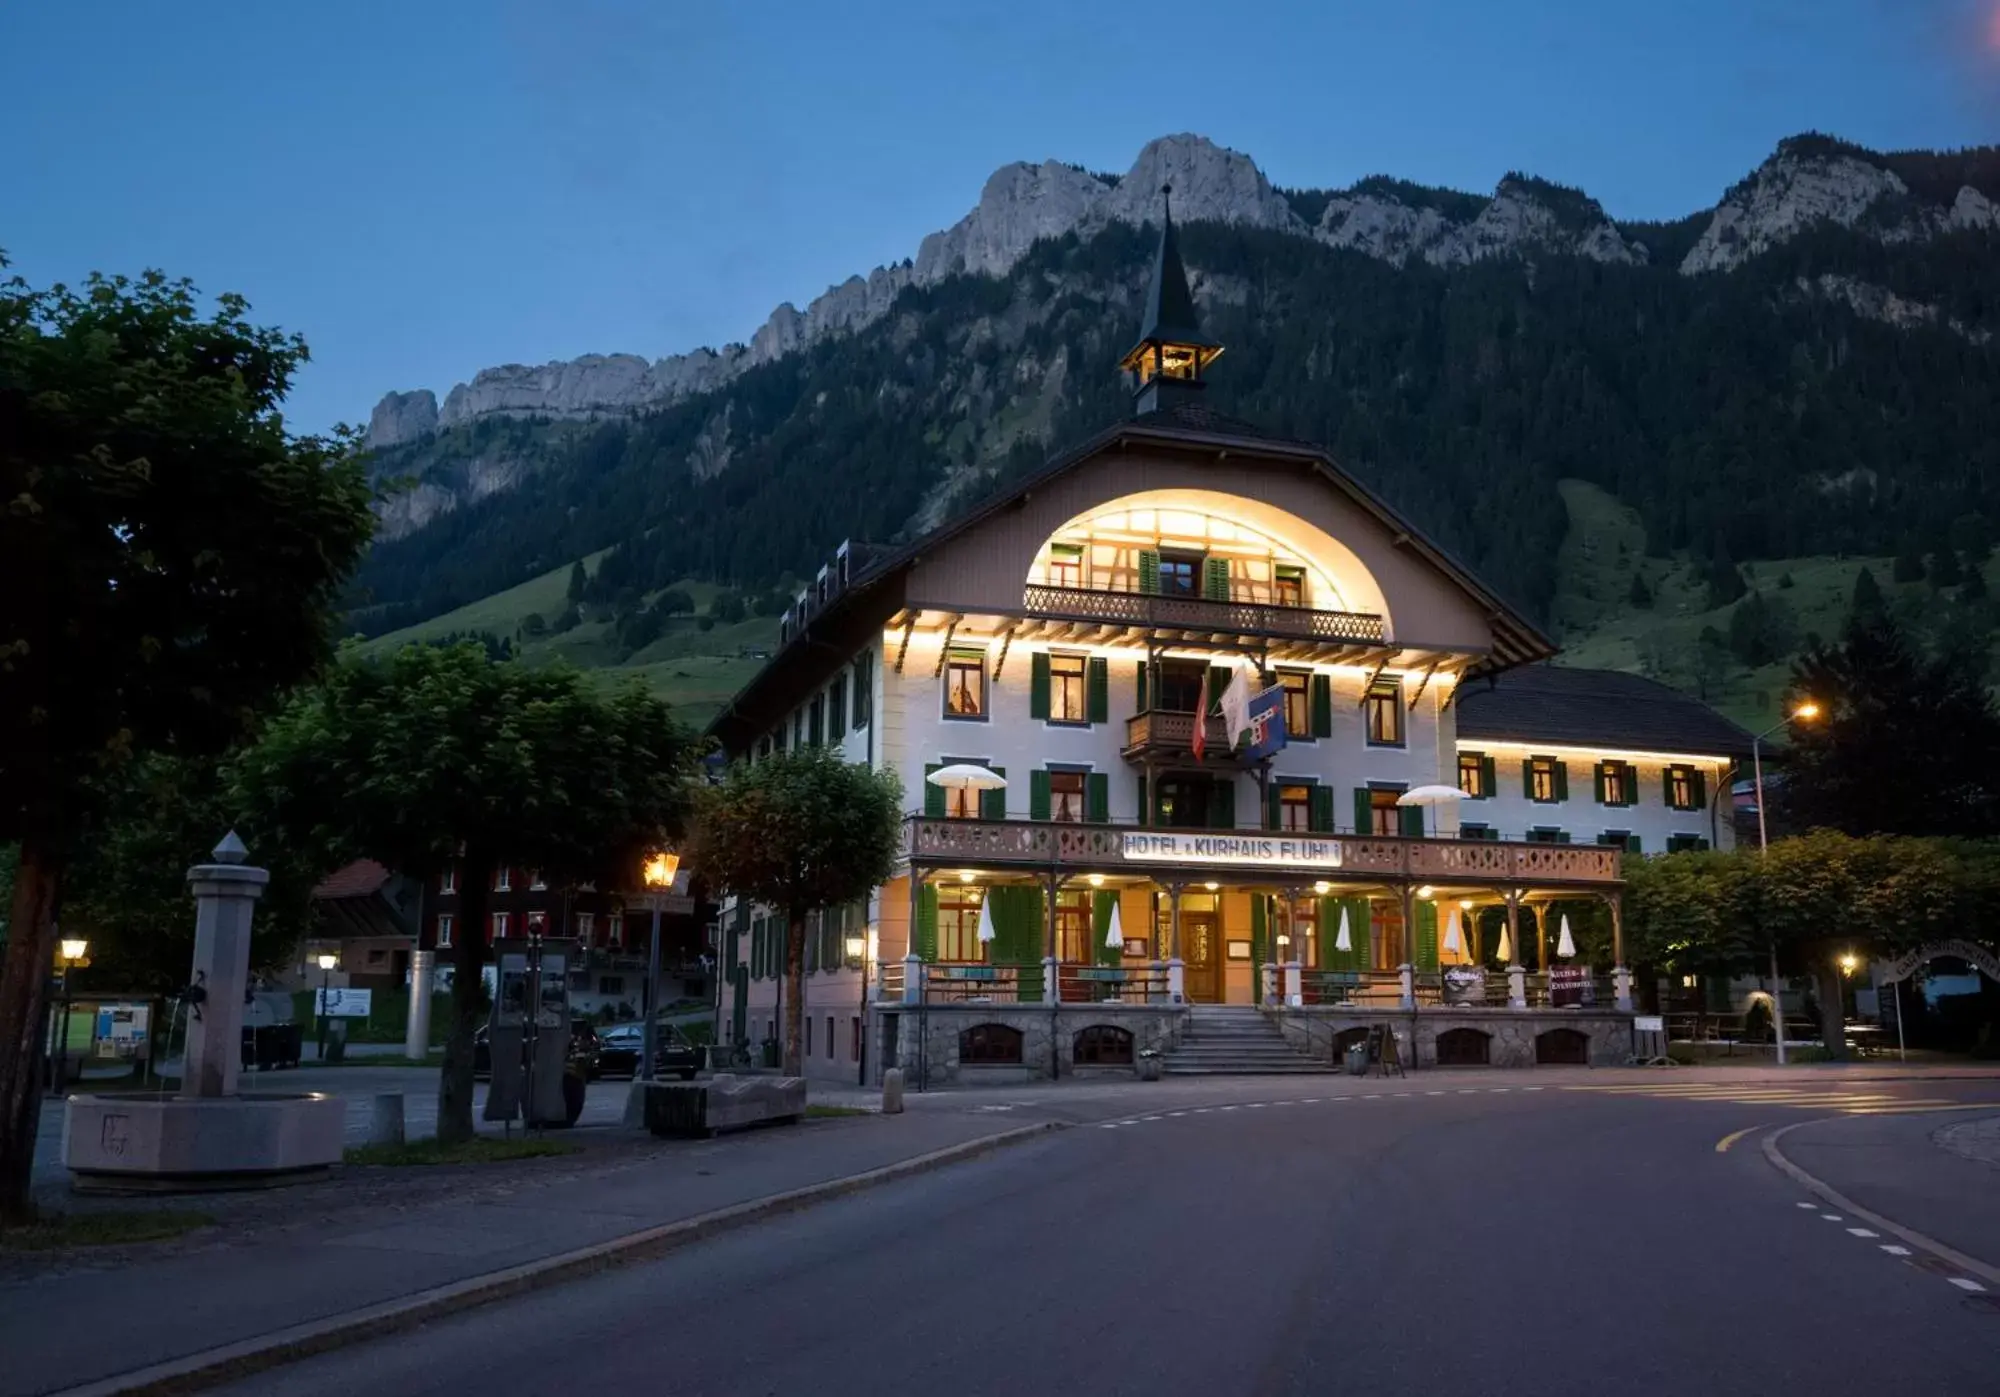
1100, 550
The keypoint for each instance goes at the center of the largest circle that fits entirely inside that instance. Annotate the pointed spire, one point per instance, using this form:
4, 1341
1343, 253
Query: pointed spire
1167, 362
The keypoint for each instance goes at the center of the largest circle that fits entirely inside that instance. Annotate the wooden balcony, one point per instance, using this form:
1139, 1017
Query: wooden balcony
1195, 616
1254, 856
1162, 732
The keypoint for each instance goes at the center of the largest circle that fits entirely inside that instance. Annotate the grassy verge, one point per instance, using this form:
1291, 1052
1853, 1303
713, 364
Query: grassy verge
59, 1231
832, 1112
483, 1150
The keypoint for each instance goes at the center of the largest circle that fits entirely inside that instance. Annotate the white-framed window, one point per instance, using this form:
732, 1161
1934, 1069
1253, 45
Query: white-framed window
536, 883
1068, 697
501, 921
615, 929
445, 920
965, 684
448, 880
586, 925
503, 879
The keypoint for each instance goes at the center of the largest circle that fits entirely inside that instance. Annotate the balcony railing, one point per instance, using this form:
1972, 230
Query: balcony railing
1164, 730
1201, 614
1261, 855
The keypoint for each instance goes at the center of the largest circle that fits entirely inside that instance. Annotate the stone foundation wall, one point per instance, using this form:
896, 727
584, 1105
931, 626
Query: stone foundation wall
1048, 1039
1511, 1034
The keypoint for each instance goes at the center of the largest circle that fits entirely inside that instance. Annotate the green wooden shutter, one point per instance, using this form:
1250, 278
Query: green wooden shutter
1427, 935
1100, 926
1410, 820
1562, 836
1489, 779
1528, 777
1329, 928
1632, 844
1017, 925
933, 793
1364, 811
925, 943
1149, 570
1038, 795
760, 936
1038, 686
1700, 784
1222, 805
993, 804
1322, 705
1319, 810
1097, 686
1274, 805
1140, 687
1597, 776
1097, 798
1562, 781
1215, 579
1260, 944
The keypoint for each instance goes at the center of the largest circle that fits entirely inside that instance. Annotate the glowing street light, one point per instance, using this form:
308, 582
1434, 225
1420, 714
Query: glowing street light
658, 872
1805, 712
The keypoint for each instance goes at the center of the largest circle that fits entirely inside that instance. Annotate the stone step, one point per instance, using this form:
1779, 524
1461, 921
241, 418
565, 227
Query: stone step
1297, 1068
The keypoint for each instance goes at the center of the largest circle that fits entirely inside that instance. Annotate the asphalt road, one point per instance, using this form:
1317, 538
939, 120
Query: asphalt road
1442, 1237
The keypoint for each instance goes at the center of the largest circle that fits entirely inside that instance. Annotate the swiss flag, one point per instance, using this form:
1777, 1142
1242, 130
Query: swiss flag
1200, 742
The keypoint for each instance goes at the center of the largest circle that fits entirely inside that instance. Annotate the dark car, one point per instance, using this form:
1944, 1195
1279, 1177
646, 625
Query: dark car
622, 1046
585, 1051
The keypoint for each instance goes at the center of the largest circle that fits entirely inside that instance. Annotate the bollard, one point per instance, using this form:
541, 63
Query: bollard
892, 1092
385, 1123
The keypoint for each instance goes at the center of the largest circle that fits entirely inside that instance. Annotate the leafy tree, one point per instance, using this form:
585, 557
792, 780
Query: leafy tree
173, 556
1639, 594
673, 602
799, 831
1974, 587
1711, 663
440, 753
568, 621
532, 625
1761, 630
1944, 570
1909, 562
579, 582
1866, 603
728, 607
1902, 745
1725, 579
1785, 583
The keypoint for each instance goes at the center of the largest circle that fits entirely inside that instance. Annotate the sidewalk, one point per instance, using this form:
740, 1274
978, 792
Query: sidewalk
84, 1320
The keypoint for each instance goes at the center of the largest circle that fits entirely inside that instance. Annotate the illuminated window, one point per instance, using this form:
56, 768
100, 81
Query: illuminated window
1073, 926
1472, 775
1066, 565
1288, 586
958, 924
961, 803
1383, 712
1067, 702
1384, 815
965, 684
1614, 783
1543, 783
536, 883
1298, 704
1066, 795
1295, 808
1685, 788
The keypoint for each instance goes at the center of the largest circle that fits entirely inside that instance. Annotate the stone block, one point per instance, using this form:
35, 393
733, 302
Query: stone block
134, 1142
724, 1102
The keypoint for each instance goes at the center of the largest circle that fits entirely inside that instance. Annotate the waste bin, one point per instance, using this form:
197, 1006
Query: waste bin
770, 1056
1357, 1059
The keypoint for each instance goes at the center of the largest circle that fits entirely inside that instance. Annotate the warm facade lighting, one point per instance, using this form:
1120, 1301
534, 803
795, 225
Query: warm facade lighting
1466, 903
966, 875
1805, 712
326, 961
1097, 880
74, 948
1322, 888
1211, 886
1426, 890
660, 868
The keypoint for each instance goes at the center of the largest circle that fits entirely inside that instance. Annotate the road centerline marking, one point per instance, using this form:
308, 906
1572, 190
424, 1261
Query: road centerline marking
1722, 1145
1965, 1283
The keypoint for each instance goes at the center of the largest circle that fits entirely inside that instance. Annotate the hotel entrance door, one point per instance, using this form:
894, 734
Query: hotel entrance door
1201, 955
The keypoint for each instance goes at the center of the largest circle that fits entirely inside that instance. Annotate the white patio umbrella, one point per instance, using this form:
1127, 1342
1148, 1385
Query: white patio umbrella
1565, 943
1452, 942
1505, 950
1342, 941
985, 920
1114, 936
965, 776
1431, 796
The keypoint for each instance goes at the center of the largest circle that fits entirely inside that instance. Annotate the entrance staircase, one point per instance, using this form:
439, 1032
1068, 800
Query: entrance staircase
1235, 1040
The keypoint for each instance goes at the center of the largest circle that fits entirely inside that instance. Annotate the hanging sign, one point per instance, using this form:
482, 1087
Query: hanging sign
1240, 849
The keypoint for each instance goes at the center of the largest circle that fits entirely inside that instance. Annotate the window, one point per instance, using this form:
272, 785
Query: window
958, 924
501, 921
1545, 780
444, 931
1304, 933
611, 984
1619, 839
809, 1036
829, 1037
1103, 1045
1685, 843
1180, 574
1383, 711
586, 925
1073, 927
1180, 686
798, 730
1547, 834
1066, 795
503, 879
1686, 790
1469, 830
864, 682
1384, 815
965, 684
836, 707
536, 883
616, 929
816, 721
1473, 775
1298, 705
1295, 808
961, 803
448, 880
538, 924
1068, 702
990, 1043
1288, 586
1617, 783
1065, 565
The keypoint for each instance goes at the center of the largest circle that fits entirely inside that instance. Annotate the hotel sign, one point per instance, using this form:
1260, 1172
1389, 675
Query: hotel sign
1238, 850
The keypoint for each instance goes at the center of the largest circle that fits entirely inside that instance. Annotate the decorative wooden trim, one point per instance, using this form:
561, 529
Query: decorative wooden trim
909, 629
944, 650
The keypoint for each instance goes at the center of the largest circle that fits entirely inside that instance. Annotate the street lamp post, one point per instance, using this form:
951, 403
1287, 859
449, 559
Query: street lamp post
857, 958
326, 962
71, 952
659, 874
1804, 713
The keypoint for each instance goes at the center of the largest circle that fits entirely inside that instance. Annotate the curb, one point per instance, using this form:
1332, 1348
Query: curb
1815, 1185
228, 1362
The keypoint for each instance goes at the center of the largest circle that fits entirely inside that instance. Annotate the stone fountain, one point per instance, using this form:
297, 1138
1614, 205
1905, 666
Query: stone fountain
210, 1135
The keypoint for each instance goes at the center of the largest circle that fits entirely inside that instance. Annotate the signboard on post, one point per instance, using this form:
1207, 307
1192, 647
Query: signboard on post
1570, 987
1465, 984
342, 1003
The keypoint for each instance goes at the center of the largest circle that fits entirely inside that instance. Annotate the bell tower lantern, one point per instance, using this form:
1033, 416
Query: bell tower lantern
1167, 363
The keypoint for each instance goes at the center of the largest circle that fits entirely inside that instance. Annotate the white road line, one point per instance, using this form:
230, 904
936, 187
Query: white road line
1310, 1101
1225, 1108
1433, 1093
1468, 1091
1965, 1283
1498, 1090
1530, 1088
1253, 1106
1812, 1206
1895, 1250
1832, 1217
1376, 1097
1176, 1115
1150, 1118
1861, 1232
1109, 1125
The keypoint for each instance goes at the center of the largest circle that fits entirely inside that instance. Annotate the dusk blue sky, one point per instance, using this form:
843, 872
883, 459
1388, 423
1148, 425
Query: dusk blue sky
430, 187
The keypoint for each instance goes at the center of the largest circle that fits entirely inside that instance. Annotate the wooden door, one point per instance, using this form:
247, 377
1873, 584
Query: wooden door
1201, 955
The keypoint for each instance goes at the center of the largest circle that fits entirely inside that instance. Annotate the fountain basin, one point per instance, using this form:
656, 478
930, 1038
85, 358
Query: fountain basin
137, 1142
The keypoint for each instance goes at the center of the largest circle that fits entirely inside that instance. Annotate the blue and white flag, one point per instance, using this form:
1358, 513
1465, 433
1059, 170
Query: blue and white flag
1267, 723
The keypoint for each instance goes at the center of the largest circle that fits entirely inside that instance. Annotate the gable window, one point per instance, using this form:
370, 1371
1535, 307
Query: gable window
965, 684
1180, 574
1067, 698
1295, 808
1298, 705
1288, 586
1475, 775
1065, 565
1383, 712
958, 924
1617, 783
1686, 789
836, 707
1545, 779
1066, 799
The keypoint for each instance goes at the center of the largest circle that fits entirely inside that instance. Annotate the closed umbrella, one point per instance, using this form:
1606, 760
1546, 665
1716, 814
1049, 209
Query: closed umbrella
1451, 938
1430, 796
1114, 936
985, 921
1342, 941
1565, 943
1505, 951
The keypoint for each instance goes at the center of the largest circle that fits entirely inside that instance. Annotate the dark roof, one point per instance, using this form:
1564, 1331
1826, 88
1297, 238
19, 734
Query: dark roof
1187, 416
1594, 708
1170, 313
362, 878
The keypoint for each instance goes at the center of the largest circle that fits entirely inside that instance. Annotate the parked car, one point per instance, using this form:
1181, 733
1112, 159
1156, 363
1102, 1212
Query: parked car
585, 1051
623, 1045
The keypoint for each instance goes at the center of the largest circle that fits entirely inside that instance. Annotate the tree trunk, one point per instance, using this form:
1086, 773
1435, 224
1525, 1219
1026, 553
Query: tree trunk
24, 999
1832, 1008
468, 1001
795, 985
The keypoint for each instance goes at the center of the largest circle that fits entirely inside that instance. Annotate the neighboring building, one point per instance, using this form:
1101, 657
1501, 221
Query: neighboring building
368, 917
1062, 635
1594, 756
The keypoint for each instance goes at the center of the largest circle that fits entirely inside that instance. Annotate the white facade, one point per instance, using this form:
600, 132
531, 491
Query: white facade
1648, 816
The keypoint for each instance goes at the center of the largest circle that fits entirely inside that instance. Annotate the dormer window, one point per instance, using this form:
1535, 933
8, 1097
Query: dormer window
1066, 565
